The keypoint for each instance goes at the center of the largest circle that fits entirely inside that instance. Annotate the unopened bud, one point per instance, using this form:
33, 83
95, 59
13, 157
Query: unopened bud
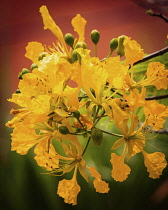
33, 66
95, 36
120, 48
63, 130
81, 45
76, 114
24, 71
74, 56
42, 55
17, 91
149, 12
69, 39
113, 44
97, 136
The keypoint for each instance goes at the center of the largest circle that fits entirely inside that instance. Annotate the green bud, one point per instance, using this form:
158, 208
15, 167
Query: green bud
17, 91
120, 48
97, 136
76, 114
63, 130
149, 12
42, 55
24, 71
113, 44
69, 39
81, 45
74, 56
95, 36
33, 66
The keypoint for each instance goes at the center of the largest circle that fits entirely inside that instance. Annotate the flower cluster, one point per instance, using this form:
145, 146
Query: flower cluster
65, 95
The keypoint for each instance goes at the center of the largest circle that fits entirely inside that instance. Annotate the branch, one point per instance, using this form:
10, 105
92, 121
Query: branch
150, 12
153, 55
156, 97
162, 131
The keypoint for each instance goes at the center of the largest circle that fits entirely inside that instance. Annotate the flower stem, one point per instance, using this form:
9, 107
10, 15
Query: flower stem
112, 134
86, 146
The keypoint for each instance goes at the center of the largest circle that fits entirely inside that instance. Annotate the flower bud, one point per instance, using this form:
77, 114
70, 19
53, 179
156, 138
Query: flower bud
63, 130
76, 114
120, 48
74, 56
69, 39
97, 136
95, 36
17, 91
33, 66
149, 12
113, 44
24, 71
81, 45
42, 55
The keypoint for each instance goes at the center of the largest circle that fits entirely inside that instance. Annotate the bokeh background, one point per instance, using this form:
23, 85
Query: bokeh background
22, 186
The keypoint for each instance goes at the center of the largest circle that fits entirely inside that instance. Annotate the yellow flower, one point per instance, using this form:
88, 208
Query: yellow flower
100, 185
155, 114
135, 99
33, 49
116, 71
69, 189
155, 163
120, 170
134, 142
79, 23
133, 51
158, 75
51, 25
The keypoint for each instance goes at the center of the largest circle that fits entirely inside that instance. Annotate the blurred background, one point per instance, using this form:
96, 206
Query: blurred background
22, 186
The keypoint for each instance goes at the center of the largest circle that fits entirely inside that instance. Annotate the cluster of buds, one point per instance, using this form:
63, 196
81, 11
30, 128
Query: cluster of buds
66, 94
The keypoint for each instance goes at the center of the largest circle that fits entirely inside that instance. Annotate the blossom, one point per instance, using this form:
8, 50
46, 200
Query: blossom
33, 50
67, 97
100, 185
155, 114
134, 142
78, 22
133, 51
69, 189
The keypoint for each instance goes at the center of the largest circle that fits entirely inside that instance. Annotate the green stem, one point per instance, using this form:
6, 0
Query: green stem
86, 146
95, 50
112, 134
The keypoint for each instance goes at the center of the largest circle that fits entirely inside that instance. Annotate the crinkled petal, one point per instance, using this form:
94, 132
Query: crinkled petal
100, 185
68, 189
33, 49
78, 22
120, 170
155, 163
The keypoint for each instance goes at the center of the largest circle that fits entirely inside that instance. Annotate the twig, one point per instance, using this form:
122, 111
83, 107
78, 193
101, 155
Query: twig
153, 55
150, 12
156, 97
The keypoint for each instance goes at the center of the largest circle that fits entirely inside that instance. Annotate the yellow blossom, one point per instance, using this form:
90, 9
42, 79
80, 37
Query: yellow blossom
120, 170
100, 185
155, 114
69, 189
133, 51
78, 22
155, 163
50, 24
33, 49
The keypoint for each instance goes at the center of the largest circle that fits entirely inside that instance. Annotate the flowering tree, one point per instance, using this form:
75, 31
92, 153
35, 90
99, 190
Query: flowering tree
67, 95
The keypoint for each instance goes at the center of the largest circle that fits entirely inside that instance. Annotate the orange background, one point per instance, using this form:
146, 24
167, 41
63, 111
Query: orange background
21, 23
